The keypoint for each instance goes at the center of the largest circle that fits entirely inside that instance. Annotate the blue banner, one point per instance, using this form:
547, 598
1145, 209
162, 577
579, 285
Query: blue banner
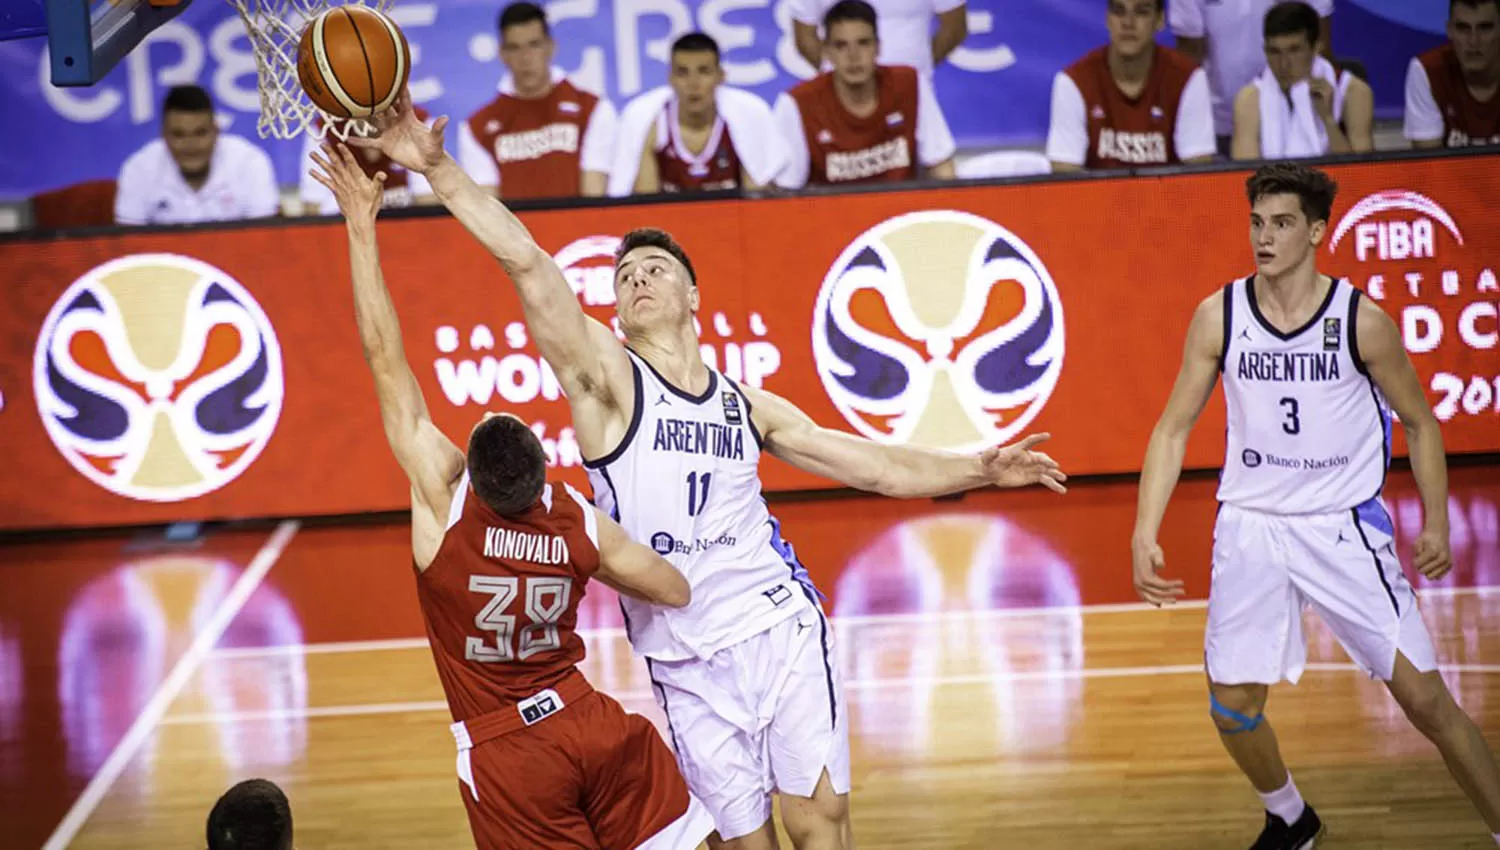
995, 89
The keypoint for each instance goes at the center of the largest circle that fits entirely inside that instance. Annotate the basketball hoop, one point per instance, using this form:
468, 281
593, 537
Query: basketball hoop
275, 27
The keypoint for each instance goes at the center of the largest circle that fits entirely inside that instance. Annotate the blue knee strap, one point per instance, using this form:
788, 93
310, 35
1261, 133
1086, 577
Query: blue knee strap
1246, 724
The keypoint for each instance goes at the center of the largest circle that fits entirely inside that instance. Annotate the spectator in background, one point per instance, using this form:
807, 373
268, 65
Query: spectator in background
1132, 103
1301, 106
546, 138
695, 134
861, 122
1453, 92
1224, 35
904, 29
402, 188
194, 173
253, 815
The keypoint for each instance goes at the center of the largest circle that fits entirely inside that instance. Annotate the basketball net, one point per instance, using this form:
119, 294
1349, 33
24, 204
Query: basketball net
275, 28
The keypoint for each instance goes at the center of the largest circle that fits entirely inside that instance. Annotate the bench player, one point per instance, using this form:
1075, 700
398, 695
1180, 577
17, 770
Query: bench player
746, 673
1312, 370
503, 558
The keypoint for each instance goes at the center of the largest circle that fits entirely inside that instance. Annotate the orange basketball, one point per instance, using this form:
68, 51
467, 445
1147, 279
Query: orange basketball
353, 61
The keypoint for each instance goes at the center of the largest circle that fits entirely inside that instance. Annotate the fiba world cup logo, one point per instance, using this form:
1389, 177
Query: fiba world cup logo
939, 329
158, 377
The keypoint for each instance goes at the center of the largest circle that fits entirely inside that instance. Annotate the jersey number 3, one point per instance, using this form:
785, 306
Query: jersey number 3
546, 600
1293, 423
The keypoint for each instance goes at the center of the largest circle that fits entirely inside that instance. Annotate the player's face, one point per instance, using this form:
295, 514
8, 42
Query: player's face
1280, 234
695, 75
652, 289
1475, 34
852, 46
1132, 25
1290, 58
190, 137
526, 50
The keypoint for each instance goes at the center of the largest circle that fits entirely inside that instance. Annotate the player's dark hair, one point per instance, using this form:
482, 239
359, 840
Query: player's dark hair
848, 10
1161, 5
1454, 4
507, 465
1314, 188
651, 237
187, 99
253, 815
1291, 18
515, 14
696, 42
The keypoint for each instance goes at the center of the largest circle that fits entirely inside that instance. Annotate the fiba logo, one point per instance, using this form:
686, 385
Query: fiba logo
158, 377
1409, 234
588, 265
939, 329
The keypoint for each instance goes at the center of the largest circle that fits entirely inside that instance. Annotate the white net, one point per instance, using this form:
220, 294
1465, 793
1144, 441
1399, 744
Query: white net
275, 27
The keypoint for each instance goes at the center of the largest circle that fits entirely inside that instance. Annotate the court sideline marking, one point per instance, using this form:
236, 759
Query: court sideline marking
643, 696
845, 621
156, 708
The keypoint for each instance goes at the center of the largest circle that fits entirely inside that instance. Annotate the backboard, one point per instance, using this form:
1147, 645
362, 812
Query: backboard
86, 37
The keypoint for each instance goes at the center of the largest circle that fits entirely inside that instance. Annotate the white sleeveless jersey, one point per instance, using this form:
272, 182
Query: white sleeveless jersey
685, 480
1308, 432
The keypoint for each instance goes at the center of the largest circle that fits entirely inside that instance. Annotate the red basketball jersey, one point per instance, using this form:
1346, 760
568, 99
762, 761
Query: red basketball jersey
501, 597
1466, 119
536, 143
844, 148
1126, 132
717, 166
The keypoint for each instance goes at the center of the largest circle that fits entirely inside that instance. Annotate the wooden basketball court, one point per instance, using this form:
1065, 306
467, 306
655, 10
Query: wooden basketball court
1004, 688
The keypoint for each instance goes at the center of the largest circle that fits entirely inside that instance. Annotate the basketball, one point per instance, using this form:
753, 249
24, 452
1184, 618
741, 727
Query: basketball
353, 61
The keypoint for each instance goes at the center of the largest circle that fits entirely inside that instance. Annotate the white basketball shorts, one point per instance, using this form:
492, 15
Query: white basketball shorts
1267, 568
765, 714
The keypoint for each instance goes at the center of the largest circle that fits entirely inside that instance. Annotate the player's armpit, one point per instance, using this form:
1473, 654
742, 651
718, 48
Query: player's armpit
1377, 343
635, 570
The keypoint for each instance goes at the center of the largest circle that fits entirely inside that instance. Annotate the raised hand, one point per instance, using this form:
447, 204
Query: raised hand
359, 196
404, 139
1018, 466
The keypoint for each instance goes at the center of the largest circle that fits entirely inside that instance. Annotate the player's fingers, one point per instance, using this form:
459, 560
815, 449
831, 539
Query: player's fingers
363, 142
1045, 460
323, 179
440, 125
380, 177
1053, 485
1034, 439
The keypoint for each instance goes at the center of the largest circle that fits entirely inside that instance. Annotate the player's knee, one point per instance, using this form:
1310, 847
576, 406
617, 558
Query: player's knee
1430, 708
817, 818
1237, 708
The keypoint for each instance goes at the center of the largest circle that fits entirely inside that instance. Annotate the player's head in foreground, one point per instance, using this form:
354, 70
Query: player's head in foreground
507, 464
1132, 26
1292, 37
1289, 209
656, 289
851, 41
695, 73
188, 128
253, 815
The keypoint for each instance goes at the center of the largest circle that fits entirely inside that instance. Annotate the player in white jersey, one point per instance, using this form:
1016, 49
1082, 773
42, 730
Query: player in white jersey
745, 673
1311, 371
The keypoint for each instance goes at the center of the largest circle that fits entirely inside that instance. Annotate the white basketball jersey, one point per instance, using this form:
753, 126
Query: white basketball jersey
1308, 432
685, 481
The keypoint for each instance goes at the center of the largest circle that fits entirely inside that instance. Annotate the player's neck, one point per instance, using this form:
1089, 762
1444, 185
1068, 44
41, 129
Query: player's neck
1289, 292
1130, 72
1483, 84
859, 100
675, 356
195, 179
697, 123
536, 92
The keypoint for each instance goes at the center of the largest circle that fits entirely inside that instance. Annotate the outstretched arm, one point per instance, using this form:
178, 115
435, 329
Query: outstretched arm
899, 471
590, 363
636, 570
431, 461
1385, 359
1168, 445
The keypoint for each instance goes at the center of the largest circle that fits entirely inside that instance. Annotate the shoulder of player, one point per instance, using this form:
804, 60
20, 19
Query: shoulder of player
818, 86
150, 157
490, 110
1209, 317
1434, 59
1176, 60
565, 90
1086, 63
1370, 319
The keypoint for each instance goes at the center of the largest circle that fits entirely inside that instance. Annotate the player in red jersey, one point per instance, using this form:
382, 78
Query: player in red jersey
503, 558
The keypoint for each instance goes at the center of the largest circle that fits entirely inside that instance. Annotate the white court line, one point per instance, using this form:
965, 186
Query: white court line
366, 709
167, 691
941, 617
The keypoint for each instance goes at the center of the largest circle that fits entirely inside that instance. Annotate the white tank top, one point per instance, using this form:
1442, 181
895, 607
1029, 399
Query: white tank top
1308, 431
685, 480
